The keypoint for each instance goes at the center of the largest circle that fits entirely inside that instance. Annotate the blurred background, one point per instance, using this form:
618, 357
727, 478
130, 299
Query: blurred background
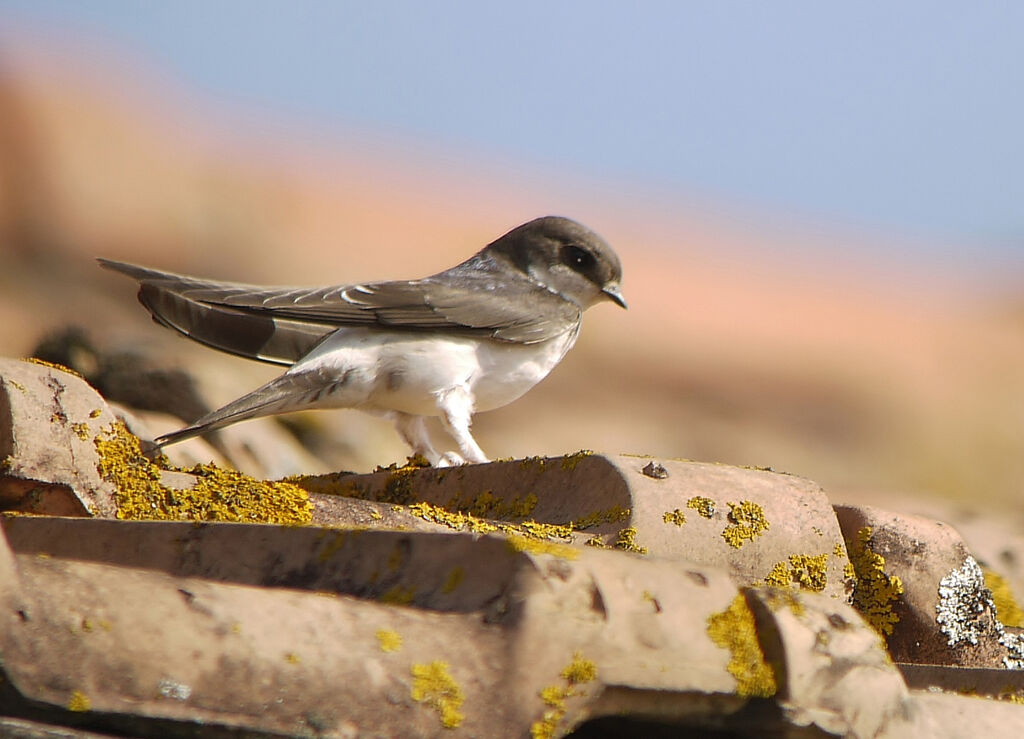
819, 207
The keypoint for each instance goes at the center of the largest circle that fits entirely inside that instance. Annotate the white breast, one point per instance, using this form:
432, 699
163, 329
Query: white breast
405, 371
509, 370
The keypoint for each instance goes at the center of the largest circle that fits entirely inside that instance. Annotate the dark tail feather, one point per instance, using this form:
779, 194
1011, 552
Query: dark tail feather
233, 330
277, 396
249, 335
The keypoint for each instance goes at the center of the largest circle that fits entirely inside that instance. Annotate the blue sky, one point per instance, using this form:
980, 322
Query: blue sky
907, 117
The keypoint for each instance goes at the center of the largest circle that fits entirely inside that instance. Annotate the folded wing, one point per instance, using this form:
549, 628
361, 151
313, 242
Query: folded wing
281, 324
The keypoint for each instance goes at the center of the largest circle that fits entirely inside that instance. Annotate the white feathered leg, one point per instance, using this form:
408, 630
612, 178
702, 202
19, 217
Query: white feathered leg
413, 431
456, 406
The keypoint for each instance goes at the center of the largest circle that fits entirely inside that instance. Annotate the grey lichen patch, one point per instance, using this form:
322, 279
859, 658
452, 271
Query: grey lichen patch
966, 613
965, 605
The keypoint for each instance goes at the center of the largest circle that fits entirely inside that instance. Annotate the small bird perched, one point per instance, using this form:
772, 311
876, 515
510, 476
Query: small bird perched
472, 338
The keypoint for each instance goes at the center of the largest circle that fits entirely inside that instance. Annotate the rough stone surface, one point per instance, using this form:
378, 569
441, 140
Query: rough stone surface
943, 615
757, 524
140, 647
592, 594
48, 420
834, 672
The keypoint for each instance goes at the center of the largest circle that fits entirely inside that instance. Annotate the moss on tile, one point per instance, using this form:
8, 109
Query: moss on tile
746, 522
389, 640
535, 545
217, 495
676, 517
574, 675
704, 506
875, 593
79, 702
1008, 610
433, 684
626, 541
53, 365
569, 461
453, 580
734, 629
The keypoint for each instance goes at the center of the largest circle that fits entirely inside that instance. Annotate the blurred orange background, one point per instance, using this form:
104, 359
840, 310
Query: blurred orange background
745, 343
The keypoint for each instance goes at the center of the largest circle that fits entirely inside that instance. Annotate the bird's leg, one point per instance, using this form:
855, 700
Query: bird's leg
413, 431
456, 406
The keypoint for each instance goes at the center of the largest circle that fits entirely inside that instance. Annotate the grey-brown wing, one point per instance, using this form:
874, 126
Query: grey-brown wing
465, 301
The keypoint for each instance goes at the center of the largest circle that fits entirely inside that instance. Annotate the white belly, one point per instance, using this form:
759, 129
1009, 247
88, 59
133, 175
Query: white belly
406, 372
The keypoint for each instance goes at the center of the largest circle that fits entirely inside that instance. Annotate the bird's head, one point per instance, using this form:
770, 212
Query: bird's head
566, 257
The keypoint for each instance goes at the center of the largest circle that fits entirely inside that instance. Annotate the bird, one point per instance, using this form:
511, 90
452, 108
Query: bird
472, 338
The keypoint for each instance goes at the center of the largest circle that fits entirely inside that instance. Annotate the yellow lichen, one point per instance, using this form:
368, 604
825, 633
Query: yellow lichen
1011, 695
810, 573
433, 684
453, 580
626, 540
541, 546
292, 658
53, 365
395, 558
779, 576
79, 702
569, 461
95, 413
457, 521
554, 695
704, 506
537, 530
785, 598
1008, 611
81, 430
217, 495
676, 517
488, 505
734, 629
399, 596
336, 542
875, 593
580, 670
576, 673
650, 598
388, 640
529, 462
596, 541
746, 522
839, 550
609, 515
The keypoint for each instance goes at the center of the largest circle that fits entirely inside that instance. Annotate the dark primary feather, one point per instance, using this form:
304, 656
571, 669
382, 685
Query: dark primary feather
281, 324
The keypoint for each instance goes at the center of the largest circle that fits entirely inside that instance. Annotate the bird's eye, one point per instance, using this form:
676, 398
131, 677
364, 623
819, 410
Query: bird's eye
579, 259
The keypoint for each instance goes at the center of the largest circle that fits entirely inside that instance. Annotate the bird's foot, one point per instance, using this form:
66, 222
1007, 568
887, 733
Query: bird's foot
450, 459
